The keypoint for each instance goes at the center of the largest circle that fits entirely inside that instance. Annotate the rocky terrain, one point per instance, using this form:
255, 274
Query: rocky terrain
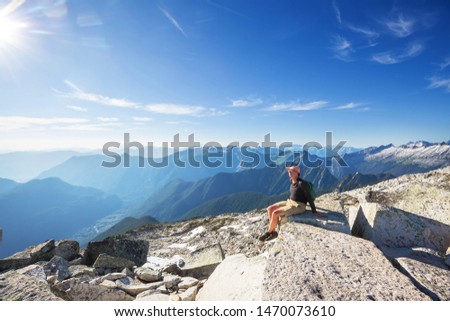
389, 241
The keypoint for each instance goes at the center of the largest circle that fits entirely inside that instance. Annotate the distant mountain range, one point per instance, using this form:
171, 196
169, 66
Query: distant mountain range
413, 157
42, 209
24, 166
7, 184
173, 193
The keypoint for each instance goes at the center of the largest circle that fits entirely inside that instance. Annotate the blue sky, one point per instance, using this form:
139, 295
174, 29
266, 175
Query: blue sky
77, 74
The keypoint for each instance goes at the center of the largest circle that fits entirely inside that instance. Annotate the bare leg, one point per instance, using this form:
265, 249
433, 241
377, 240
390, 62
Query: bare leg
275, 219
272, 208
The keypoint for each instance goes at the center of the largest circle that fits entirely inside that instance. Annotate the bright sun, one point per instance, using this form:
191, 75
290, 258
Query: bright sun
10, 31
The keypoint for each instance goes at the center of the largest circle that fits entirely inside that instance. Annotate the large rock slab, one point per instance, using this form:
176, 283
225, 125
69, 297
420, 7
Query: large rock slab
32, 254
393, 227
333, 221
202, 263
133, 250
308, 263
27, 284
237, 278
426, 269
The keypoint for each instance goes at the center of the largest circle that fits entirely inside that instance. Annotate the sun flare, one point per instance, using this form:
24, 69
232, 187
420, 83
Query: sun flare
11, 31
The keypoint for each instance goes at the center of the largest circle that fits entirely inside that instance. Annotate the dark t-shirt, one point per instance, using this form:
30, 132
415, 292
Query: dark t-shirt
300, 193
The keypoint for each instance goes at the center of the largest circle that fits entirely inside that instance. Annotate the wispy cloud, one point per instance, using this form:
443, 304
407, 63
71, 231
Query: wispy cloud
337, 12
141, 119
351, 105
160, 108
183, 110
108, 119
445, 63
85, 127
437, 82
297, 106
174, 109
77, 108
342, 48
246, 102
8, 123
401, 26
364, 31
389, 58
79, 94
172, 20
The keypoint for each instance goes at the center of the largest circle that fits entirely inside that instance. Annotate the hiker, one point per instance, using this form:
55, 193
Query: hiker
296, 204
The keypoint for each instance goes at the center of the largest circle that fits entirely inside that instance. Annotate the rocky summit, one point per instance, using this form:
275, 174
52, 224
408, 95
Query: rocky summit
389, 241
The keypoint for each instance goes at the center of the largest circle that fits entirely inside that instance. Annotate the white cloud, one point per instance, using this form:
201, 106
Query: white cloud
385, 58
342, 48
351, 105
337, 12
82, 127
445, 64
173, 21
174, 109
246, 102
400, 26
160, 108
108, 119
389, 58
8, 123
79, 94
296, 106
366, 32
183, 110
76, 108
436, 82
141, 119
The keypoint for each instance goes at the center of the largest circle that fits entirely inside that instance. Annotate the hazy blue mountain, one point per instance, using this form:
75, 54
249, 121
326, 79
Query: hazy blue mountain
125, 225
177, 198
135, 183
7, 184
23, 166
357, 180
49, 209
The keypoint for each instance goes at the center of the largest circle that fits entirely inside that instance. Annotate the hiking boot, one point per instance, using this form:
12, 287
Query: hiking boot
271, 236
263, 237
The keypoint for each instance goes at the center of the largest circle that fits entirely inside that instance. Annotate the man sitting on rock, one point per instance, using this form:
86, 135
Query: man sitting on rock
296, 204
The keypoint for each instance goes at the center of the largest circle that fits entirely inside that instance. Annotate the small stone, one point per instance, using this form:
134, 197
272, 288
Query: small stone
67, 249
109, 284
174, 297
148, 275
51, 279
189, 294
107, 262
187, 282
